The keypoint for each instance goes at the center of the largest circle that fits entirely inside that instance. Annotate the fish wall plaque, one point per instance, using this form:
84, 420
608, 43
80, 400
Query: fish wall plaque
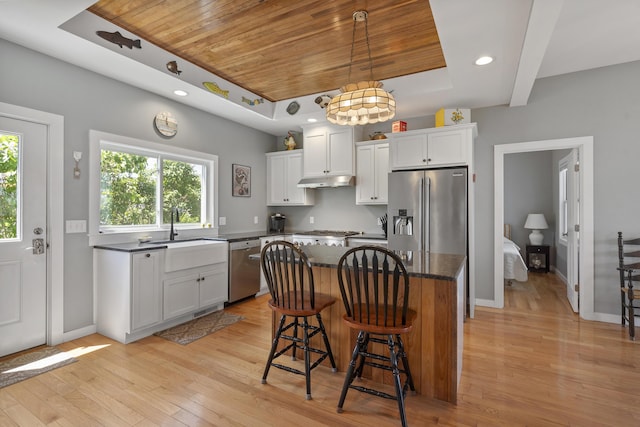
252, 101
119, 39
173, 67
211, 86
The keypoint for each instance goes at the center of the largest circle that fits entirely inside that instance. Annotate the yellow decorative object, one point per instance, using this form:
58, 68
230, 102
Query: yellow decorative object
289, 142
213, 87
452, 116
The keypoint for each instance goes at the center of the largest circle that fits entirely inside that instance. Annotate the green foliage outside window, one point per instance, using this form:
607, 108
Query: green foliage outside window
8, 186
129, 184
182, 189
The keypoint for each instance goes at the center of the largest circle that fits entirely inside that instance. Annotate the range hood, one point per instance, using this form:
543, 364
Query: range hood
327, 181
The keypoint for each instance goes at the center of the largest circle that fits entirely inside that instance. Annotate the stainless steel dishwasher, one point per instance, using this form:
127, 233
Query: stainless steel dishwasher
244, 272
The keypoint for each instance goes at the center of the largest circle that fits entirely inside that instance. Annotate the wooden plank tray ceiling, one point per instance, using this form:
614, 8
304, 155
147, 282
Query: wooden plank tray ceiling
282, 49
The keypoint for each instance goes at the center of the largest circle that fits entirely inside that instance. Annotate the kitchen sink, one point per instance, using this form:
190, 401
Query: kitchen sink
184, 254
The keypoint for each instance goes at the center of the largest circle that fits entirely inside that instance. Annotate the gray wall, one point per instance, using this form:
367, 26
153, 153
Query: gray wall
528, 189
603, 103
335, 209
90, 101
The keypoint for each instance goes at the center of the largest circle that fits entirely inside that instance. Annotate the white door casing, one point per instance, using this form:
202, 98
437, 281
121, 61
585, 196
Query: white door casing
584, 145
23, 293
55, 213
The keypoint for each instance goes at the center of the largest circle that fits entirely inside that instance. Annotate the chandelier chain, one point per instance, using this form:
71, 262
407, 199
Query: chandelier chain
353, 43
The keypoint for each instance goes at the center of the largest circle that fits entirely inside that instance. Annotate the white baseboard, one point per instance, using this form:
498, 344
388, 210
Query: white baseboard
79, 333
606, 317
486, 303
560, 276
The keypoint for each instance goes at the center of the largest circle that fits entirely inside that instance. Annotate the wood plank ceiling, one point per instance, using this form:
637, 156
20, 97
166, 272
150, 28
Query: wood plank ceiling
282, 49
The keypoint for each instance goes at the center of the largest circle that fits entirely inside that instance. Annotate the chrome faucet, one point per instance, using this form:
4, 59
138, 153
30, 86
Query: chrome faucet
173, 233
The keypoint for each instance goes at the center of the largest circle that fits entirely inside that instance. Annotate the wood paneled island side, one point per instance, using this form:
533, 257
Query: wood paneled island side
434, 347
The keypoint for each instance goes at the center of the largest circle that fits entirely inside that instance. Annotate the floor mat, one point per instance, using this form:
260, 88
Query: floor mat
34, 363
200, 327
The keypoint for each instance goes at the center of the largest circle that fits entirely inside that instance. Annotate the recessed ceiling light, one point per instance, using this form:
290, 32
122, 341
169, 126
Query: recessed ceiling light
484, 60
180, 92
312, 120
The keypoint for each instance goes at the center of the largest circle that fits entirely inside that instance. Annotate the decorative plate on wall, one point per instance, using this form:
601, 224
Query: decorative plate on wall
166, 124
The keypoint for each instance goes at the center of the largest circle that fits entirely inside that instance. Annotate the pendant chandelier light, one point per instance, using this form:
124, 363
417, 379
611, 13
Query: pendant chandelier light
365, 101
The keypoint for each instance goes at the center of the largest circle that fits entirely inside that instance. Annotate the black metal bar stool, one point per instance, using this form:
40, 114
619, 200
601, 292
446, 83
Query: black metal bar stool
375, 290
290, 280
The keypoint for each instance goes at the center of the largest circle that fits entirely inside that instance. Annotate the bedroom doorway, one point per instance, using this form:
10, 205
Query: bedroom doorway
585, 257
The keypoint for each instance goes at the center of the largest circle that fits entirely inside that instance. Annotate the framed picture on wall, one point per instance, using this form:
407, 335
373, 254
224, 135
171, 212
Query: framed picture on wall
241, 181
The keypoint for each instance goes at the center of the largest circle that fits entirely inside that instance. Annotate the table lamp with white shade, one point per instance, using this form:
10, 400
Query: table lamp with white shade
536, 222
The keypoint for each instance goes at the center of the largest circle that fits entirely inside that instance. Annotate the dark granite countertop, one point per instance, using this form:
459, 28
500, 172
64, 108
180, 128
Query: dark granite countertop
368, 236
419, 264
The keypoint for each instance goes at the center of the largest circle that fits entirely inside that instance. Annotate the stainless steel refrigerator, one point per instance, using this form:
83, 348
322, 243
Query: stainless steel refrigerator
427, 210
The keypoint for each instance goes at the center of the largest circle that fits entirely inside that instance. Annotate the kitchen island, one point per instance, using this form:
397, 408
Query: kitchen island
434, 347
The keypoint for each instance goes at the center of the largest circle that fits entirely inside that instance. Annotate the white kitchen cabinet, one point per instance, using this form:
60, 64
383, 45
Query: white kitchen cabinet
328, 151
142, 292
372, 169
284, 171
187, 291
146, 294
129, 293
436, 147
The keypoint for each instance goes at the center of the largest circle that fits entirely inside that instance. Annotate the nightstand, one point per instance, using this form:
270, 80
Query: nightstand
538, 258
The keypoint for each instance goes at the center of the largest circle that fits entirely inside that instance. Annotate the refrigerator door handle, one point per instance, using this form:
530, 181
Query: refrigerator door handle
425, 208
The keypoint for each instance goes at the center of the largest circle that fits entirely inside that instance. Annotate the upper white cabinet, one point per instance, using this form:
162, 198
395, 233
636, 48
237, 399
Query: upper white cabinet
372, 168
284, 170
328, 151
443, 146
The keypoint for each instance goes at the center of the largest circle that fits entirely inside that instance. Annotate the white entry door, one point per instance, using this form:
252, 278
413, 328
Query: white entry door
23, 235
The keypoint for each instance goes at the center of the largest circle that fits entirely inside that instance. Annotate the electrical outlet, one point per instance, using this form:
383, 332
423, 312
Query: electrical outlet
311, 220
255, 219
222, 220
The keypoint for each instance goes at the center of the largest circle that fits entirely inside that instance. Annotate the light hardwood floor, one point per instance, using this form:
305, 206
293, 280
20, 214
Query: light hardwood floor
535, 363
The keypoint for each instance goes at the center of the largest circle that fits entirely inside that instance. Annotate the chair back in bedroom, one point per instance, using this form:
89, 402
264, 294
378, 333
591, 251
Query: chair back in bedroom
629, 269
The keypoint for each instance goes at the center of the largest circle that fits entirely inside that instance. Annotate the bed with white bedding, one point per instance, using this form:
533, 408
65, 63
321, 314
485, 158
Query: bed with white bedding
514, 266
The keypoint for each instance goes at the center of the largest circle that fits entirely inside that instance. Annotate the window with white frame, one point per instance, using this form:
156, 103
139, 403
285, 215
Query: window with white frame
135, 184
562, 203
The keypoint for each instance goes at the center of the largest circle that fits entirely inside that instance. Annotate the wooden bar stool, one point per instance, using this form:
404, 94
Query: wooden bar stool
290, 280
375, 291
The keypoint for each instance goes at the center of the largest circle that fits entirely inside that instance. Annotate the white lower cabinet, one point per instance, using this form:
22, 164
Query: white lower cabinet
129, 293
146, 294
137, 297
187, 291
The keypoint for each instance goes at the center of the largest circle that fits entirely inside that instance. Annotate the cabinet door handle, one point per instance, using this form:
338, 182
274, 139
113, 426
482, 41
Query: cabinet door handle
424, 160
147, 255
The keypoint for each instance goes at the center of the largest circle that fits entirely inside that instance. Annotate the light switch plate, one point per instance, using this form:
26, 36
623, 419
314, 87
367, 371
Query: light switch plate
222, 220
76, 226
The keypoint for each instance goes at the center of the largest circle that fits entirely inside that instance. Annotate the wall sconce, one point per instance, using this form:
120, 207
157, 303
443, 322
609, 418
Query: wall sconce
77, 155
